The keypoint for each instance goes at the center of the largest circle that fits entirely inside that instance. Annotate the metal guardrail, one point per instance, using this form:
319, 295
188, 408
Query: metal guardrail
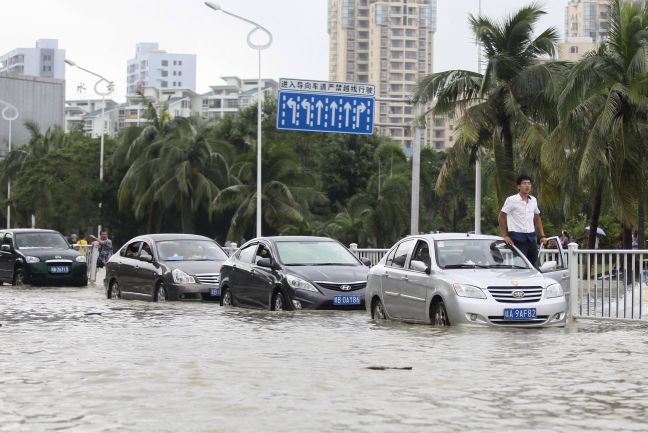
610, 284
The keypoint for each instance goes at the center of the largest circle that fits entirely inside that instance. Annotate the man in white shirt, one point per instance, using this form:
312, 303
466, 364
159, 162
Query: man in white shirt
520, 218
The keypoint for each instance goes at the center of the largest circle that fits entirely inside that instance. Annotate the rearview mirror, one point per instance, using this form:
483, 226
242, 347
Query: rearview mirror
549, 265
420, 266
264, 262
365, 261
6, 248
146, 257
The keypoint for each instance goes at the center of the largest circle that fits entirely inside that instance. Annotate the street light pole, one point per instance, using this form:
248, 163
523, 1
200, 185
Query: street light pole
257, 47
478, 167
110, 86
9, 118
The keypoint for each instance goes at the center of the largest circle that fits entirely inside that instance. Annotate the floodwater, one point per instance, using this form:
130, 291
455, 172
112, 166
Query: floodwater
72, 361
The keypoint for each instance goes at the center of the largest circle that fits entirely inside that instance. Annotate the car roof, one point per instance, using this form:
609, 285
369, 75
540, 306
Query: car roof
454, 236
29, 231
295, 239
172, 237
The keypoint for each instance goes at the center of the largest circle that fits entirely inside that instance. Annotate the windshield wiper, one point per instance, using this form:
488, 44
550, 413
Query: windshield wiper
464, 266
507, 266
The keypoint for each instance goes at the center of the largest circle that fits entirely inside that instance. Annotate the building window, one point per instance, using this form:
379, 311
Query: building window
164, 73
573, 50
179, 83
180, 62
164, 84
165, 63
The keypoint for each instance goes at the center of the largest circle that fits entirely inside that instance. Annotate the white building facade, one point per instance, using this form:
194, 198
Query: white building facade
158, 69
45, 60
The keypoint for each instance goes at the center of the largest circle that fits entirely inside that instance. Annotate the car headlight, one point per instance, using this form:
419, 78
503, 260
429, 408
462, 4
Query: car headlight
32, 259
80, 259
182, 277
299, 283
467, 291
554, 291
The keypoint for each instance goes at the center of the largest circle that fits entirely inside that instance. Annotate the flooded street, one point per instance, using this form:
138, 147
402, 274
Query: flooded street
72, 361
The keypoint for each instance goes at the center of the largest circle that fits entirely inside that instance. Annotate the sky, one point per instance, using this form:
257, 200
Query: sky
101, 35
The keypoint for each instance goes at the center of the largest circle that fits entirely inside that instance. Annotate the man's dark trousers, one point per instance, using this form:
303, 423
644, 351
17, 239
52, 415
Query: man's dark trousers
527, 243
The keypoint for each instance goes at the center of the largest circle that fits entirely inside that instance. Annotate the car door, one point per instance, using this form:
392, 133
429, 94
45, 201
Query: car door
393, 277
414, 285
3, 259
240, 277
553, 251
7, 257
261, 278
144, 272
128, 268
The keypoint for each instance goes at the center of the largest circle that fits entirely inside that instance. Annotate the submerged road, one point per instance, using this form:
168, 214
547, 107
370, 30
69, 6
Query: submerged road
73, 361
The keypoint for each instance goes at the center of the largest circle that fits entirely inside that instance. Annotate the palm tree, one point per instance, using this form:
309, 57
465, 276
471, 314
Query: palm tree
288, 192
605, 102
507, 102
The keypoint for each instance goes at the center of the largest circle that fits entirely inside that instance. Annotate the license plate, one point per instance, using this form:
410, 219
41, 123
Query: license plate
59, 269
214, 291
519, 313
346, 300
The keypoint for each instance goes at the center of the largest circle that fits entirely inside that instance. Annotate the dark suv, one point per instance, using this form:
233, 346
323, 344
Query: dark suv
36, 256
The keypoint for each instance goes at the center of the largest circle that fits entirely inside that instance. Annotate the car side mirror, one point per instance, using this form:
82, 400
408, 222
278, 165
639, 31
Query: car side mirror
365, 261
6, 248
420, 266
146, 257
549, 265
265, 262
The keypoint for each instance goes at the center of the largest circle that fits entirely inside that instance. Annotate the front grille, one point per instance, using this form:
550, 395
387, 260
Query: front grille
505, 294
211, 279
499, 320
357, 285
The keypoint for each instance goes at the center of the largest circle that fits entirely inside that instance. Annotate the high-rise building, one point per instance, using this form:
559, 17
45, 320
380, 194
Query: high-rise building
45, 60
587, 24
388, 44
158, 69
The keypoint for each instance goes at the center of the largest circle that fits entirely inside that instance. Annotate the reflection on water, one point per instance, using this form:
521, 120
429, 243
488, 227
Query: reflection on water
73, 361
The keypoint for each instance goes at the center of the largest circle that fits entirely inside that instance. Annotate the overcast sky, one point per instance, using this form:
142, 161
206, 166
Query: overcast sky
101, 35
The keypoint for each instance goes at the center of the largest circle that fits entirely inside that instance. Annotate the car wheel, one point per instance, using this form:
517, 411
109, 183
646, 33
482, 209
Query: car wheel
18, 278
227, 300
440, 315
161, 294
279, 302
114, 292
378, 310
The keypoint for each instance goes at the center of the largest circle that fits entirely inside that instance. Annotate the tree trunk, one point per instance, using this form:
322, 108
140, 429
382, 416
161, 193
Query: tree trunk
594, 219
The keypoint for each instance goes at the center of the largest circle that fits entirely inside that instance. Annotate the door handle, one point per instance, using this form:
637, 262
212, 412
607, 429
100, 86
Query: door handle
136, 267
404, 278
565, 277
386, 274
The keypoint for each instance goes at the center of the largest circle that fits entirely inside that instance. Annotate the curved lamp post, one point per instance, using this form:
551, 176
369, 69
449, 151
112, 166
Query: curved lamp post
109, 87
10, 117
257, 47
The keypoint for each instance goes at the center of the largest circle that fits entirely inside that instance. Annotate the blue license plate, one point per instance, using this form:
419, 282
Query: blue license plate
519, 313
214, 291
346, 300
59, 269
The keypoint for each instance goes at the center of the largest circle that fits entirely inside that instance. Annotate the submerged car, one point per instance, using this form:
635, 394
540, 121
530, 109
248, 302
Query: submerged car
165, 267
37, 256
293, 272
452, 279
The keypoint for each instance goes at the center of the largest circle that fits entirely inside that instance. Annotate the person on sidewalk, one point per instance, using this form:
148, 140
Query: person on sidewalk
519, 220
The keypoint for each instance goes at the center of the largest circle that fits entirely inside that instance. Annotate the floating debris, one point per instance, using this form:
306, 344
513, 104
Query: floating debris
381, 367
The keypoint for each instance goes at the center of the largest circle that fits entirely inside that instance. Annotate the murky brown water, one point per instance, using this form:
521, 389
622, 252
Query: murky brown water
73, 361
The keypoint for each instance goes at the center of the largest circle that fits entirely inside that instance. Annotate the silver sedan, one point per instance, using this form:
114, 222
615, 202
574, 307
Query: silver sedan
451, 279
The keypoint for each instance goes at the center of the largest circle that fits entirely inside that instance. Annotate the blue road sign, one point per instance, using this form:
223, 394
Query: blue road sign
322, 112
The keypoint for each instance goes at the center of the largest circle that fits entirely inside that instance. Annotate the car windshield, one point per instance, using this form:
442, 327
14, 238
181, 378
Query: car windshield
477, 253
190, 250
311, 253
26, 241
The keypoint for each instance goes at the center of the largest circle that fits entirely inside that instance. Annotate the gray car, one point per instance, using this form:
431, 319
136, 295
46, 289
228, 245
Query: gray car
166, 267
458, 278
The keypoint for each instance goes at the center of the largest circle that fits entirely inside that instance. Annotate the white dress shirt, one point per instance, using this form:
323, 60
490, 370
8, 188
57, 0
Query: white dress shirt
520, 213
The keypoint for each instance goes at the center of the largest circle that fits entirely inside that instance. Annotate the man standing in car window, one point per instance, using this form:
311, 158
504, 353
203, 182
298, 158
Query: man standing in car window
520, 219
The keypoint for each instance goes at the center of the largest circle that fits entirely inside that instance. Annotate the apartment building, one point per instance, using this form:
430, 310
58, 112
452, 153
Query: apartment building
155, 68
225, 100
85, 115
45, 60
387, 43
